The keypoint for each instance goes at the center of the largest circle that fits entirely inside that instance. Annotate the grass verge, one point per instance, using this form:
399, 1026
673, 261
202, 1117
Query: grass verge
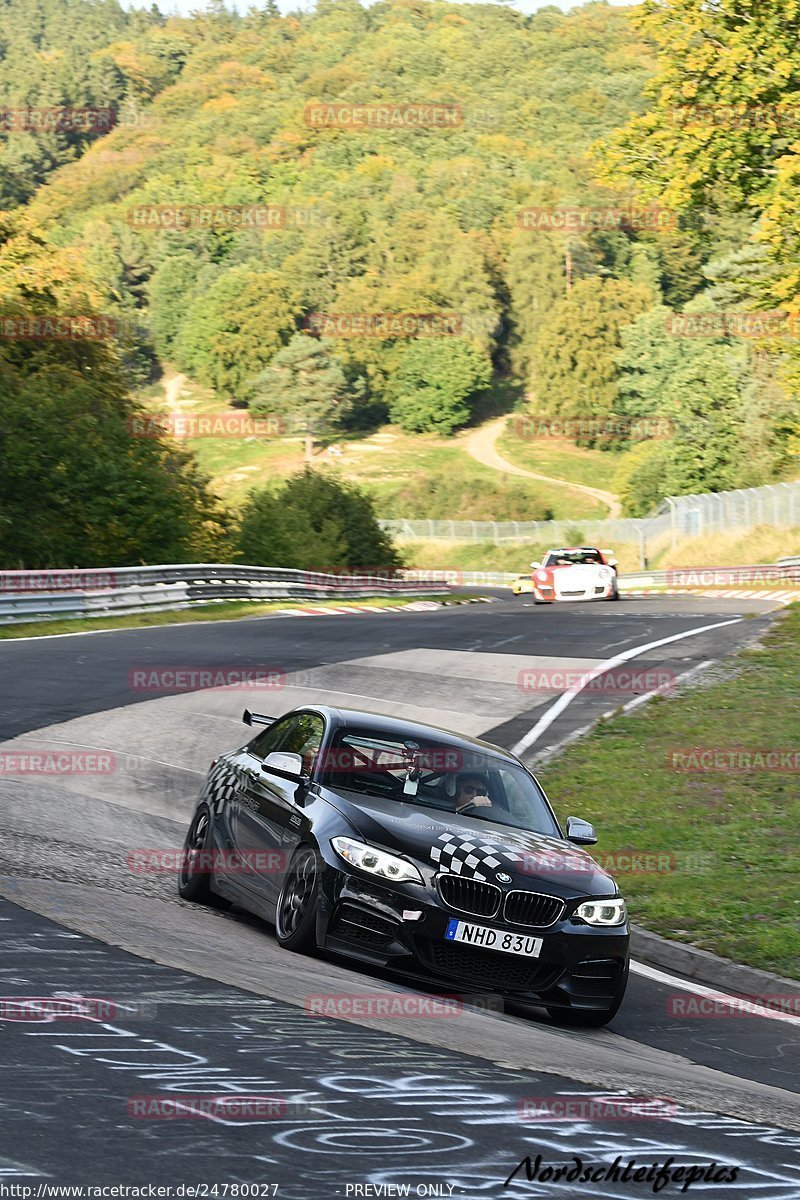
559, 458
422, 476
225, 611
741, 899
763, 544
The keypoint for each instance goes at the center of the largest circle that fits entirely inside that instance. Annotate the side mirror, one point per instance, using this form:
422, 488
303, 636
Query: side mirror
290, 766
580, 832
611, 562
536, 565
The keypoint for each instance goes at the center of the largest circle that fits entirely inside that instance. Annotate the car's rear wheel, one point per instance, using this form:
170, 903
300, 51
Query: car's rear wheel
585, 1019
194, 876
296, 912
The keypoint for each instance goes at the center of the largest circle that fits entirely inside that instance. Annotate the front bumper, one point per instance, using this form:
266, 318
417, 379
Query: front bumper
595, 592
580, 967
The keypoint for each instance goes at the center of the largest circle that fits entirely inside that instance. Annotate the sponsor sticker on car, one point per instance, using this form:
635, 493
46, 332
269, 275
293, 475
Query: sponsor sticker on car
493, 939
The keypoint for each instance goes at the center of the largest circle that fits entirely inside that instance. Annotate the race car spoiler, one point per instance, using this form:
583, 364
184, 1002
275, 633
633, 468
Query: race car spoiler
251, 718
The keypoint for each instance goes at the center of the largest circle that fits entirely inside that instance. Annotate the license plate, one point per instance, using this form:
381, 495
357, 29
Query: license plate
493, 939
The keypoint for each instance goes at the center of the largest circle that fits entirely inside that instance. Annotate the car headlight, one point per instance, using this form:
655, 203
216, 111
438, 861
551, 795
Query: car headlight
541, 575
376, 862
603, 912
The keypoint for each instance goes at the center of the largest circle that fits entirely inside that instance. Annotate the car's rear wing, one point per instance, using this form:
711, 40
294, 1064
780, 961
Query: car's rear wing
251, 718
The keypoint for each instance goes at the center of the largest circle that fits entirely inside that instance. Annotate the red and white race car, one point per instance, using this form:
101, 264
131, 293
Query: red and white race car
575, 573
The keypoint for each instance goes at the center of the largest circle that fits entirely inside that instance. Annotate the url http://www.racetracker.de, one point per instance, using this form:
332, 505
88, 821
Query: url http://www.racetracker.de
180, 1191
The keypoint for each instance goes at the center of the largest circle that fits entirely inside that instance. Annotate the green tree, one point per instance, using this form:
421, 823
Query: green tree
233, 329
170, 294
306, 384
576, 374
431, 388
314, 522
699, 395
640, 477
78, 486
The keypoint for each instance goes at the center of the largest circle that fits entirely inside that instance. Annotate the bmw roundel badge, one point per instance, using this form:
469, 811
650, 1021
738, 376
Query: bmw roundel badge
501, 875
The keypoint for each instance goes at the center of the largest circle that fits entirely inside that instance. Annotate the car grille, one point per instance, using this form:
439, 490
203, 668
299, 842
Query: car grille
504, 971
469, 895
579, 592
356, 924
532, 909
599, 590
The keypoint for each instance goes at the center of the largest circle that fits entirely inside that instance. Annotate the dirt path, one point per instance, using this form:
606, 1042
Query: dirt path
481, 446
175, 404
172, 391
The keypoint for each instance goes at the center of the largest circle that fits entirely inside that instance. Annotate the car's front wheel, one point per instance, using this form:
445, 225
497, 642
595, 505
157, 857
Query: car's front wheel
296, 912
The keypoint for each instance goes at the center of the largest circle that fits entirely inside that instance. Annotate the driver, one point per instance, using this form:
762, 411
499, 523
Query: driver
473, 792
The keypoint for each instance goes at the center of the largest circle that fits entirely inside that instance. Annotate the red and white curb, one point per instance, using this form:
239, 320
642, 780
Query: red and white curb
307, 610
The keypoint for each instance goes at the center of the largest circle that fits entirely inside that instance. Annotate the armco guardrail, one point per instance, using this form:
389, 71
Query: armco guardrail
49, 594
784, 573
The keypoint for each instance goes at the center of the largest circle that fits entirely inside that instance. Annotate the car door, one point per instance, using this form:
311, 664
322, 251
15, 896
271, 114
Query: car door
272, 821
244, 804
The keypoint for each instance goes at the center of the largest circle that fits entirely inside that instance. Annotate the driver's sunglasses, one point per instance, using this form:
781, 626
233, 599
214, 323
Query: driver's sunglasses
473, 791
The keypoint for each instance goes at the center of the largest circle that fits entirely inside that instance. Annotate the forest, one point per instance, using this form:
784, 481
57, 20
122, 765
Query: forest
326, 217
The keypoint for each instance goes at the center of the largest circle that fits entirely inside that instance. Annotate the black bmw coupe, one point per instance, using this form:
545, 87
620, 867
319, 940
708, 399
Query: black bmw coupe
409, 847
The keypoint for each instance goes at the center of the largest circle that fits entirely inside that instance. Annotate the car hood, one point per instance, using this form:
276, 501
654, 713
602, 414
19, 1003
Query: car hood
445, 841
579, 574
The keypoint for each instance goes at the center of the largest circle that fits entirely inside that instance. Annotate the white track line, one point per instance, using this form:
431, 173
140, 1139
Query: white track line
735, 1003
567, 697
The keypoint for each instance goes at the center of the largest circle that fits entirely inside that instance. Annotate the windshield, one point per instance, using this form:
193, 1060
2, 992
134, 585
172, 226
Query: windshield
429, 773
568, 558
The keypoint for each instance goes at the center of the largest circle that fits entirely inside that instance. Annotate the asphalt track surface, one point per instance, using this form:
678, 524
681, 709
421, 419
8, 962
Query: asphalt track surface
429, 1103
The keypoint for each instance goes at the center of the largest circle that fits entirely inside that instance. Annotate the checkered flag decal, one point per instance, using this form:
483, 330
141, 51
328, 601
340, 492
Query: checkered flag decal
460, 854
220, 787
